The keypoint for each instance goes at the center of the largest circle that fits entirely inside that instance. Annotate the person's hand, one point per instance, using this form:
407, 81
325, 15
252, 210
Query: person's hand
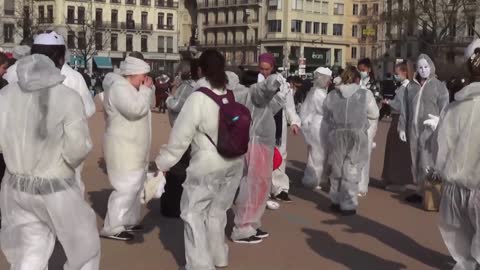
403, 136
432, 122
295, 129
386, 101
148, 82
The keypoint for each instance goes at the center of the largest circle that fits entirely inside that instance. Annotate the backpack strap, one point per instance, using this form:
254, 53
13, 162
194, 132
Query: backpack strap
218, 98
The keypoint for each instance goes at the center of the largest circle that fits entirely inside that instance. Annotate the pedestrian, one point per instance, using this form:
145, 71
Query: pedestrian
18, 53
397, 162
212, 179
348, 111
51, 43
426, 97
368, 83
127, 101
47, 138
3, 69
456, 156
314, 130
163, 86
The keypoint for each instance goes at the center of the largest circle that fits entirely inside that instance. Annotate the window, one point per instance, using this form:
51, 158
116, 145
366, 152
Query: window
70, 15
364, 10
41, 13
81, 15
398, 50
145, 2
409, 50
275, 26
169, 20
161, 44
71, 40
297, 4
375, 9
471, 26
114, 18
114, 42
161, 17
309, 6
324, 28
337, 29
338, 9
98, 41
354, 30
296, 26
354, 52
325, 8
99, 16
129, 43
8, 30
355, 9
144, 20
308, 27
226, 17
9, 7
363, 52
130, 21
50, 14
169, 44
338, 56
274, 4
375, 32
317, 6
144, 44
81, 40
130, 2
316, 28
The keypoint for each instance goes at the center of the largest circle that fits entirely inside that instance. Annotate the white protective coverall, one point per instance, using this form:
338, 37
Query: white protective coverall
456, 156
370, 86
175, 102
280, 180
315, 132
18, 53
43, 136
420, 102
264, 102
211, 183
348, 111
126, 145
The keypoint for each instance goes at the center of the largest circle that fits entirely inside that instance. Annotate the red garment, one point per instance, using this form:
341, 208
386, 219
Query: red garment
277, 159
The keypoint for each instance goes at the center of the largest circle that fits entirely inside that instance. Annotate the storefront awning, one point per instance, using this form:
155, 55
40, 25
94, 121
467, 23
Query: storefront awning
103, 62
76, 61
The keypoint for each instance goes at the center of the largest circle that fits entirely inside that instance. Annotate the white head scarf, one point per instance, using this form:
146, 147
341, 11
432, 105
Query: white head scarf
133, 66
471, 48
51, 38
21, 51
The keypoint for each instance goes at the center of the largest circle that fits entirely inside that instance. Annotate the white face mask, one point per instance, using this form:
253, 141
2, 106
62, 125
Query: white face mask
363, 74
423, 68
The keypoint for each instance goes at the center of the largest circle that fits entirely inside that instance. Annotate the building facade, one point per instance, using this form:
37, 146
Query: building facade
109, 28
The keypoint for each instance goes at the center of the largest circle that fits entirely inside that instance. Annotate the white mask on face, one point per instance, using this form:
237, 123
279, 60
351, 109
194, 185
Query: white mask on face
423, 68
363, 74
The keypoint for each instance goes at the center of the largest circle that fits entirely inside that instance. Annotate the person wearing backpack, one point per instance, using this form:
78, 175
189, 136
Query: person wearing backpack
218, 136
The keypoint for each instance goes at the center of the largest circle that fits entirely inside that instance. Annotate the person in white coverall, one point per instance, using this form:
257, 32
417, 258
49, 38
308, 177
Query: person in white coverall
347, 111
73, 80
425, 98
18, 53
212, 180
127, 102
314, 130
180, 93
456, 160
43, 136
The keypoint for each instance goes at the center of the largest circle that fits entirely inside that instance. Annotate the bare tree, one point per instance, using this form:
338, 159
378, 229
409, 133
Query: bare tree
26, 22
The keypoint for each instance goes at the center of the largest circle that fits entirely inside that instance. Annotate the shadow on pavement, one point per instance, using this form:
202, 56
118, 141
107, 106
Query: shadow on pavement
351, 257
360, 224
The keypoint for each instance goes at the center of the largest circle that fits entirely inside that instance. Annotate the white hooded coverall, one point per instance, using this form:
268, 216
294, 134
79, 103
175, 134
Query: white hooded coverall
43, 136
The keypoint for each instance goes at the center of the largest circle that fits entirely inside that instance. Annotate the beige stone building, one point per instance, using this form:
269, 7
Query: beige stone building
116, 27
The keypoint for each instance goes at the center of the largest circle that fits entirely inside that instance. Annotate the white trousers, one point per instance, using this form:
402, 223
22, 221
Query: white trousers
365, 176
280, 180
31, 223
124, 207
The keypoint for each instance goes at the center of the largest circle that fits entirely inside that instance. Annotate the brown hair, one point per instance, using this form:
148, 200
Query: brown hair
350, 75
3, 59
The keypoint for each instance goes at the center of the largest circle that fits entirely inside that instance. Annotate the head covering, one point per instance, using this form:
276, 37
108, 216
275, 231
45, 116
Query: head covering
233, 80
267, 58
134, 66
430, 63
163, 78
21, 51
51, 38
471, 48
323, 71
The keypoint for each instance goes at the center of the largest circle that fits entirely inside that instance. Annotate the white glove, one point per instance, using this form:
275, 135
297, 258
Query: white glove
432, 122
403, 136
374, 145
274, 81
153, 187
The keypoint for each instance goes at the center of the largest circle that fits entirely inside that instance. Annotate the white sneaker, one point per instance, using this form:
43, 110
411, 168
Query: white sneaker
272, 205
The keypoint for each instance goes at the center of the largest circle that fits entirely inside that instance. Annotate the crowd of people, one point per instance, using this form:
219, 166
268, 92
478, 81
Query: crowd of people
230, 133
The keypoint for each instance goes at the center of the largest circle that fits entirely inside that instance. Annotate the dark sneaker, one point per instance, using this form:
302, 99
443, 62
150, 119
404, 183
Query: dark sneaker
347, 213
261, 234
415, 198
283, 196
249, 240
136, 228
123, 236
335, 208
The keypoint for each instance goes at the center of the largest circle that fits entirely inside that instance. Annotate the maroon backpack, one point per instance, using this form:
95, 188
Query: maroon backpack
233, 125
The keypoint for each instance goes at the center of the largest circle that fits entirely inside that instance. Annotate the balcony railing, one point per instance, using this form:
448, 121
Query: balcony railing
145, 2
231, 24
229, 3
229, 43
45, 20
130, 2
115, 1
131, 26
102, 1
164, 27
9, 12
166, 4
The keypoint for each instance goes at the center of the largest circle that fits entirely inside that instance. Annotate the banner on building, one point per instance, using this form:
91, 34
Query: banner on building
316, 56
